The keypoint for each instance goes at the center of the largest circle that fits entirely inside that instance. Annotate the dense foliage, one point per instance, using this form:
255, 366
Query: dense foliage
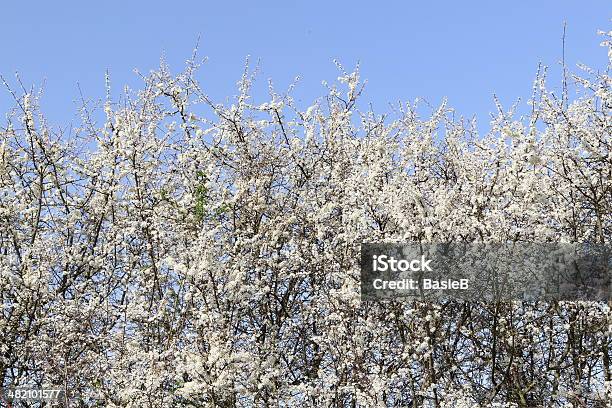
176, 252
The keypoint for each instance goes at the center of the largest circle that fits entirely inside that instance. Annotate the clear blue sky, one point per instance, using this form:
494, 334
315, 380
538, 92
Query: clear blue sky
465, 50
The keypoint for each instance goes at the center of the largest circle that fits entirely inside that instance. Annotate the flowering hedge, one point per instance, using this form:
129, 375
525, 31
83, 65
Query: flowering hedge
176, 252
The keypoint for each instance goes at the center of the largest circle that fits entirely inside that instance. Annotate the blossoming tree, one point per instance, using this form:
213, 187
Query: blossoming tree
177, 252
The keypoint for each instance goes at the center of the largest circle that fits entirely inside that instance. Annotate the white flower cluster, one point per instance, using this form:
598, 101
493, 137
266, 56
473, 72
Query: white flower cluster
186, 253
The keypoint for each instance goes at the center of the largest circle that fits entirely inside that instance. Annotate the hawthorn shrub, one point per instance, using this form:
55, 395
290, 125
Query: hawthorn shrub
176, 252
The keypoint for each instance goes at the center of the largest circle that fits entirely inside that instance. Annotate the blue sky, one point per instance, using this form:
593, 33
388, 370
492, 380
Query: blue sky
465, 51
